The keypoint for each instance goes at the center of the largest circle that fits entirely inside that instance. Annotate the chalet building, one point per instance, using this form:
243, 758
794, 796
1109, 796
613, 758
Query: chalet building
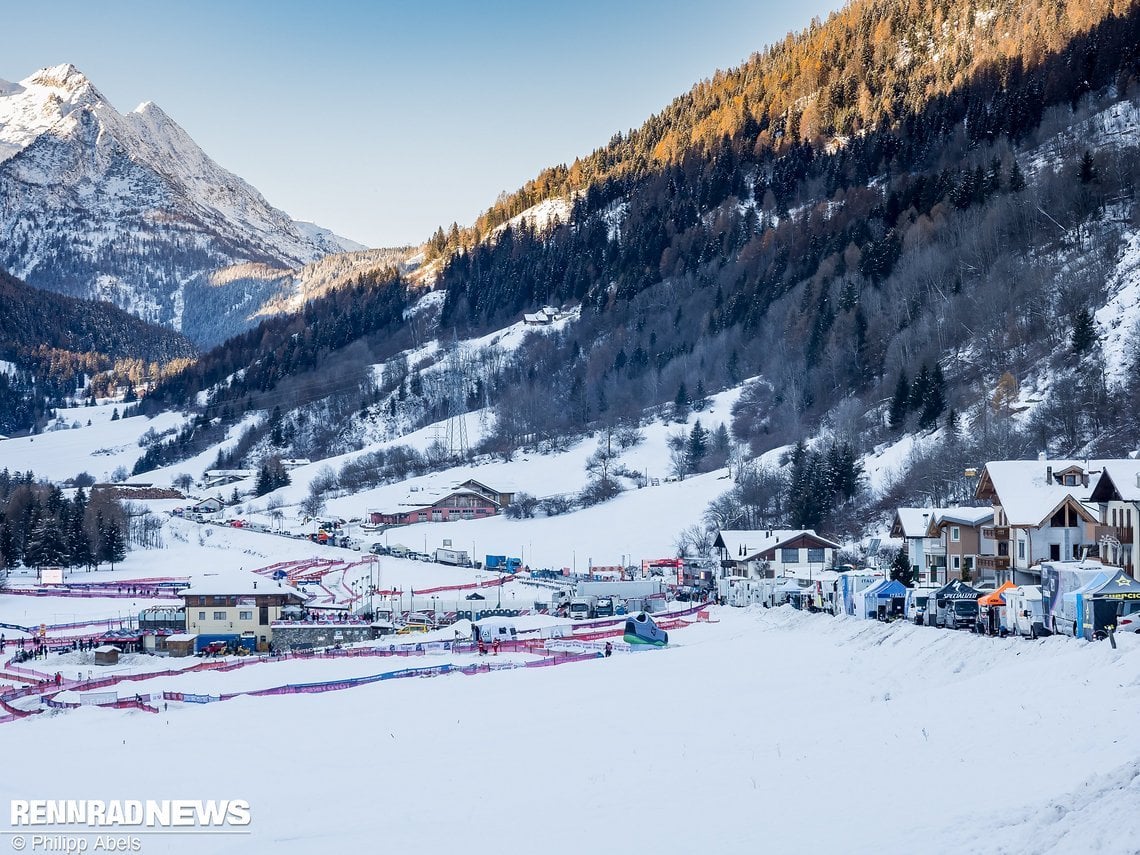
209, 505
502, 496
543, 317
961, 534
235, 608
771, 553
1117, 493
437, 506
1039, 515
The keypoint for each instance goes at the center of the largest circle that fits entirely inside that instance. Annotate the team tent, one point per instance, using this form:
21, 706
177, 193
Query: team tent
991, 610
1107, 602
885, 598
949, 593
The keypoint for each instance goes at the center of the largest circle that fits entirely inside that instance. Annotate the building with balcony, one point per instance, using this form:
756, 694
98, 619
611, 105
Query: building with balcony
966, 536
457, 503
773, 553
1039, 515
1117, 494
235, 608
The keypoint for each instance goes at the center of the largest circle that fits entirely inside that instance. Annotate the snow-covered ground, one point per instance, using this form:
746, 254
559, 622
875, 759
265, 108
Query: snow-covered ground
770, 731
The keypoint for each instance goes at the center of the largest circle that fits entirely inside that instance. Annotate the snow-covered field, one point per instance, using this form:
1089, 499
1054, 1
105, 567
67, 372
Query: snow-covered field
770, 731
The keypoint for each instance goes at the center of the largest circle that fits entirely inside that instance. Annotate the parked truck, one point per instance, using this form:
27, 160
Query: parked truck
454, 557
604, 607
583, 608
502, 563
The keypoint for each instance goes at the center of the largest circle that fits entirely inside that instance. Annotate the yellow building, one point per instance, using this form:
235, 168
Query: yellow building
237, 609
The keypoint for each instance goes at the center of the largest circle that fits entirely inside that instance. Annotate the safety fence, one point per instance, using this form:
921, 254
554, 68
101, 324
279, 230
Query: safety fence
110, 699
91, 594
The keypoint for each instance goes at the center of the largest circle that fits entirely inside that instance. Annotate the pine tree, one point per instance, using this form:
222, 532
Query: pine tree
1084, 331
1087, 171
115, 414
700, 400
934, 402
113, 548
721, 441
698, 445
681, 404
264, 481
901, 570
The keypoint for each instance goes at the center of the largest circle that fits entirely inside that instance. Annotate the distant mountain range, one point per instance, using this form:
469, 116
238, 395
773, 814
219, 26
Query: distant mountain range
127, 208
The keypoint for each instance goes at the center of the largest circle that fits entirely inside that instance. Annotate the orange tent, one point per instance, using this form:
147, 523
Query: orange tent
995, 598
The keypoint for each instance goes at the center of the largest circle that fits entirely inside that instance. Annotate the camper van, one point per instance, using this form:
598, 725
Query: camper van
1023, 611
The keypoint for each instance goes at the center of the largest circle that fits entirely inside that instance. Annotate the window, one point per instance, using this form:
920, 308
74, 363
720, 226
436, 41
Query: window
248, 615
790, 556
219, 615
1021, 549
1054, 552
201, 615
956, 561
815, 556
955, 533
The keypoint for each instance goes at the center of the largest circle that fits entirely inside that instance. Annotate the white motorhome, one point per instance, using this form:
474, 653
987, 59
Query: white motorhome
494, 629
1024, 614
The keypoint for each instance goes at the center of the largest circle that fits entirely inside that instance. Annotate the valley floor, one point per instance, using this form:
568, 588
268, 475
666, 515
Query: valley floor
768, 730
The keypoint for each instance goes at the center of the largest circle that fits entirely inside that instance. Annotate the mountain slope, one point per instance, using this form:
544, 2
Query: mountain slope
53, 342
125, 208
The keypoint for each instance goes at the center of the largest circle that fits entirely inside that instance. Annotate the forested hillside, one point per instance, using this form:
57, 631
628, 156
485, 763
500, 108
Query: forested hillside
57, 343
894, 219
874, 64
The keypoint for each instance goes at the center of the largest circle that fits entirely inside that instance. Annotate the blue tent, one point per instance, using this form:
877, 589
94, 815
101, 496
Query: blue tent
891, 589
880, 595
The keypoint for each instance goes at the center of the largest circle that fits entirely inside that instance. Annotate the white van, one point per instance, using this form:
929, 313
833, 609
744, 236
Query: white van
1023, 611
492, 629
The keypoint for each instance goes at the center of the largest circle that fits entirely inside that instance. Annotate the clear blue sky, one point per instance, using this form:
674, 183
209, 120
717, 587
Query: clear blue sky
383, 120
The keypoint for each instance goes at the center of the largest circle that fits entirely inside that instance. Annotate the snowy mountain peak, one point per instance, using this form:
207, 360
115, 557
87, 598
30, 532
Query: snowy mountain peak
65, 76
135, 211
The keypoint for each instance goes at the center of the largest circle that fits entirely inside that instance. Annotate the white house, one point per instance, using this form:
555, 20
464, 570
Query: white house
1117, 493
1039, 515
774, 552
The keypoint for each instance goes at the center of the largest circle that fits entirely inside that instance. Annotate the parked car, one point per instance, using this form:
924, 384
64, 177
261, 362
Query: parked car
1128, 618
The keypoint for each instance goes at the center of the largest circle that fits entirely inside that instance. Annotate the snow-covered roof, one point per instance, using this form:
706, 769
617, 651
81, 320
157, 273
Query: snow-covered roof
959, 515
912, 522
743, 545
1027, 495
1123, 475
426, 497
181, 636
236, 584
107, 648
